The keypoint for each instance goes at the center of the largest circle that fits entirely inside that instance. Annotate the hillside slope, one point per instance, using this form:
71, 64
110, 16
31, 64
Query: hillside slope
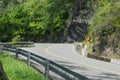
105, 28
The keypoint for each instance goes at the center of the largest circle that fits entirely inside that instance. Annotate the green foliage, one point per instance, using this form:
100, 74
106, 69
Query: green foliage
105, 27
107, 20
18, 70
35, 19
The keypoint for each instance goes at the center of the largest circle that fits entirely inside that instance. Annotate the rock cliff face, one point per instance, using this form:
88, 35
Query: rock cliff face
108, 46
80, 17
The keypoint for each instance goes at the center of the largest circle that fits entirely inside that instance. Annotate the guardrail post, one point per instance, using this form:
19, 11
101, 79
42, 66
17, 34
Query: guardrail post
47, 68
17, 53
1, 48
28, 58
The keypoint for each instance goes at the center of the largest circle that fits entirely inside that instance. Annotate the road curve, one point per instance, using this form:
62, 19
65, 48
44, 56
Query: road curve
65, 55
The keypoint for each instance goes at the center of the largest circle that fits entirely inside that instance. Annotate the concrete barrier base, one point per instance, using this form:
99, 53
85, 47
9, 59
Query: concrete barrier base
115, 61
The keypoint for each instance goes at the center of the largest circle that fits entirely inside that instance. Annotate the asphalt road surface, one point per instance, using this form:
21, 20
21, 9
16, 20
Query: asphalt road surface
65, 55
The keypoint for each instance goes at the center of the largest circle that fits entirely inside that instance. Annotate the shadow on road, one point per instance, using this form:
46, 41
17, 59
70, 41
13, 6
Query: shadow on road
70, 65
101, 76
105, 76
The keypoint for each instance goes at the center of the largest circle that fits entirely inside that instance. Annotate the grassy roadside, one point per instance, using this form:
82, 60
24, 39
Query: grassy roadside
18, 70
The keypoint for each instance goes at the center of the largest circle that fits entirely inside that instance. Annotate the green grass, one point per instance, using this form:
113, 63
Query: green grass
18, 70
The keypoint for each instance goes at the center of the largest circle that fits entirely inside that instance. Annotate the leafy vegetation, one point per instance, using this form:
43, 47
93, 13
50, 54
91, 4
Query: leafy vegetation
35, 20
105, 28
40, 20
18, 70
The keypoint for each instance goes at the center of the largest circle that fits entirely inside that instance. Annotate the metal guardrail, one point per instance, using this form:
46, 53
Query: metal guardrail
48, 64
18, 44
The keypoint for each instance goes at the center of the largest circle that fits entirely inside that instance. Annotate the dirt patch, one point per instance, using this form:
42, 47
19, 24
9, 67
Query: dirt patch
98, 57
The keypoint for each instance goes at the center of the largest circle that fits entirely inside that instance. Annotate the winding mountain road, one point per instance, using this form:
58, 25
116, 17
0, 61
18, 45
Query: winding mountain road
65, 55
